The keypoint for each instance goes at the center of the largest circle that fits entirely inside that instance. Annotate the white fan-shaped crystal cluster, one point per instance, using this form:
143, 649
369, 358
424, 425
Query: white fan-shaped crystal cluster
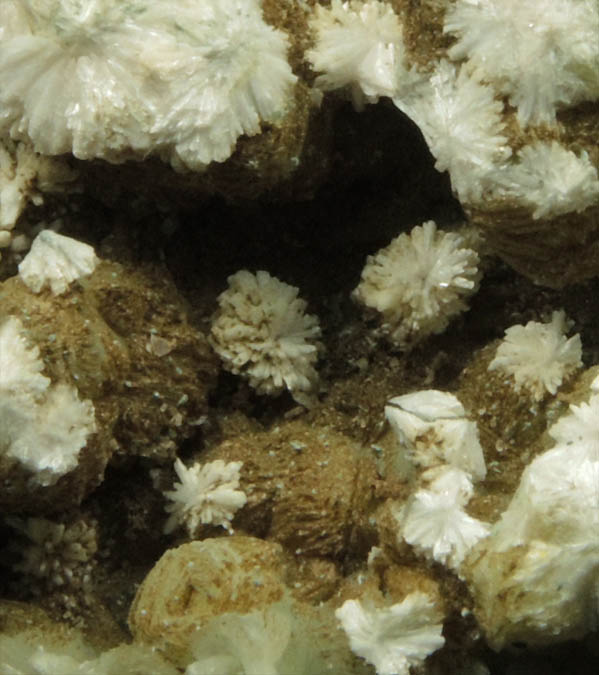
434, 521
208, 494
56, 261
360, 45
393, 638
419, 283
539, 356
262, 333
435, 433
558, 496
120, 80
433, 429
536, 578
44, 427
550, 179
542, 54
461, 122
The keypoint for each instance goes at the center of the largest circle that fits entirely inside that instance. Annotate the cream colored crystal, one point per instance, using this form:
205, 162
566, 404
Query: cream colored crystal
42, 426
360, 45
122, 80
539, 356
461, 121
433, 429
419, 283
206, 494
435, 523
56, 261
393, 638
543, 55
536, 577
262, 333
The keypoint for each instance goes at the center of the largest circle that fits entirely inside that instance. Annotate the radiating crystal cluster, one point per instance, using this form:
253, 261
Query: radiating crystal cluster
393, 638
121, 80
435, 523
56, 261
42, 426
206, 495
59, 554
360, 45
247, 643
419, 283
542, 54
538, 356
435, 434
549, 179
262, 333
461, 122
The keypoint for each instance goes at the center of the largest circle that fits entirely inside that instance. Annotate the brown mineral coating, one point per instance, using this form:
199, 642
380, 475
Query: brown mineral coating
401, 580
107, 337
194, 582
17, 617
308, 489
164, 391
554, 252
507, 419
313, 580
423, 35
510, 424
78, 348
489, 573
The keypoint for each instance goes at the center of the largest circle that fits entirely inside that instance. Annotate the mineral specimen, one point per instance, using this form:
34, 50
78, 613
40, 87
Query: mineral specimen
360, 45
56, 261
393, 638
83, 78
206, 494
538, 356
262, 333
418, 283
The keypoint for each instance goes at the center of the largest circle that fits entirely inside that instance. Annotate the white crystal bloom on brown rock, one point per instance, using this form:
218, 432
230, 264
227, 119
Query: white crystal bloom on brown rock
535, 578
122, 80
435, 523
461, 121
393, 638
542, 55
360, 45
419, 283
207, 495
56, 261
261, 332
244, 643
549, 179
539, 356
433, 430
42, 426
